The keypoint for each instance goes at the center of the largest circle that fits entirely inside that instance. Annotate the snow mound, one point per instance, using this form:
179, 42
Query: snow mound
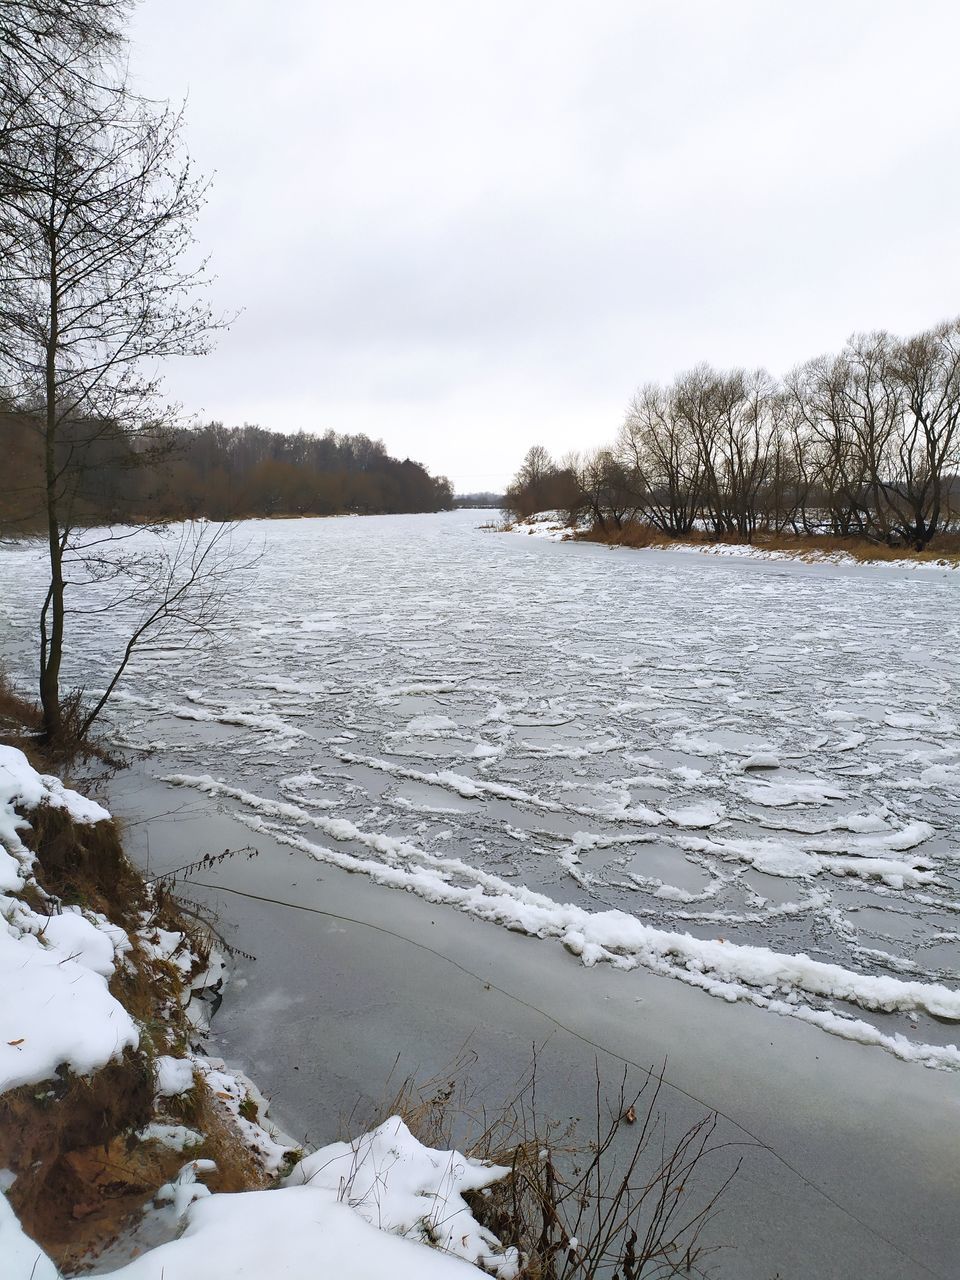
172, 1076
294, 1231
552, 525
21, 1258
392, 1180
21, 787
57, 1009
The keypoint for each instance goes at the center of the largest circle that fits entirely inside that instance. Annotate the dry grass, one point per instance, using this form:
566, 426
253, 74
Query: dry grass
83, 1176
20, 720
622, 1195
21, 725
638, 535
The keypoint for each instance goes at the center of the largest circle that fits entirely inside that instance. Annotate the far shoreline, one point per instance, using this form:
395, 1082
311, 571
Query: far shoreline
814, 549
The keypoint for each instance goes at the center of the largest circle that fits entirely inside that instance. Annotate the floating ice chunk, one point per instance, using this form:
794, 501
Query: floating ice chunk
778, 859
911, 720
897, 875
692, 777
761, 760
696, 815
860, 823
908, 837
428, 725
942, 776
778, 794
695, 746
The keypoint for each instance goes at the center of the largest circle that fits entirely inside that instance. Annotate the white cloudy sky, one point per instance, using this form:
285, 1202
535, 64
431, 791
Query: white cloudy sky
466, 226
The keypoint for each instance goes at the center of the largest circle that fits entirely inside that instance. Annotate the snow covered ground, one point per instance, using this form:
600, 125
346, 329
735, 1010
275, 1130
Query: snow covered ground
743, 773
382, 1205
552, 525
54, 969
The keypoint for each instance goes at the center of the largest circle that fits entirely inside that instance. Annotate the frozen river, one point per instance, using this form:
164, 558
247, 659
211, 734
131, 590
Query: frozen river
742, 774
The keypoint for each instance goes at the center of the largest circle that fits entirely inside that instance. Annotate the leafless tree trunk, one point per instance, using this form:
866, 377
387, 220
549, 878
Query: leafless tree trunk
658, 450
925, 375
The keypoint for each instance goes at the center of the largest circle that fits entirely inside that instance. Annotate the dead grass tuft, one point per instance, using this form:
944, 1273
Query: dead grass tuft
20, 721
622, 1194
84, 864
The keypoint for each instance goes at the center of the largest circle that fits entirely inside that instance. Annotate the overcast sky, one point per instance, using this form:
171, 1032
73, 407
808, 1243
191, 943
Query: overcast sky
467, 226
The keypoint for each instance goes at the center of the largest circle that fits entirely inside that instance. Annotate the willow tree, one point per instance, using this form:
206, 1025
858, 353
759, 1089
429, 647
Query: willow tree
97, 290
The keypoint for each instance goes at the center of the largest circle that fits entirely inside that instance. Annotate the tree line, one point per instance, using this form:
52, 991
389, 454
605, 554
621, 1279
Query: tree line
114, 476
864, 443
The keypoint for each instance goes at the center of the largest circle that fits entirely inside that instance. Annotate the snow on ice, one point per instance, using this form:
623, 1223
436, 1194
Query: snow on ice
627, 749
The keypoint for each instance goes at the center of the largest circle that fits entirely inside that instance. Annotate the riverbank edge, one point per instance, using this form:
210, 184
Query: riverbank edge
85, 1153
805, 548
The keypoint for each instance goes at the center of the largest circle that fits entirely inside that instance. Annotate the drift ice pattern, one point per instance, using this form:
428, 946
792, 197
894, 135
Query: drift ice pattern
741, 773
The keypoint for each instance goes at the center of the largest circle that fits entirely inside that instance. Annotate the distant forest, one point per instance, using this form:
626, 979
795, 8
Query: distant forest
478, 501
223, 473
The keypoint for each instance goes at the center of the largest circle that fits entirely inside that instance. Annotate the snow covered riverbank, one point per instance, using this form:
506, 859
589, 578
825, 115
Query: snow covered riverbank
381, 1205
556, 527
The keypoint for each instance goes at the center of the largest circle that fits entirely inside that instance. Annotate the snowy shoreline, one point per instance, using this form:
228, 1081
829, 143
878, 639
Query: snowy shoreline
381, 1204
554, 527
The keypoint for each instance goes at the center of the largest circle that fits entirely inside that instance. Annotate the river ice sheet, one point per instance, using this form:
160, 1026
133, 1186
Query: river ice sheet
745, 774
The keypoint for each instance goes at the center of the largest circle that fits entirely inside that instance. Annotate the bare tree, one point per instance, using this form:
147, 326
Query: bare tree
48, 47
865, 443
830, 445
923, 373
169, 591
540, 485
883, 420
658, 450
96, 291
605, 488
